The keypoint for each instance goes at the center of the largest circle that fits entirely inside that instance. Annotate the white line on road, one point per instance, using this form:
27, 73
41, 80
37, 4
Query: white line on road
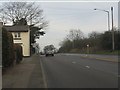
74, 62
87, 66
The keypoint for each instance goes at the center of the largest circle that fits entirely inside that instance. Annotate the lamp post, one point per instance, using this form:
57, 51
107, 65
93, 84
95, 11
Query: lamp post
108, 16
113, 43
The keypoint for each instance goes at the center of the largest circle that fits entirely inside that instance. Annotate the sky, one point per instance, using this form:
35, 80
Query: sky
65, 15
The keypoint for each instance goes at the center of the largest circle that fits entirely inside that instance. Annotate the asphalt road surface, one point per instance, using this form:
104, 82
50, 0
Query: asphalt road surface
74, 71
0, 78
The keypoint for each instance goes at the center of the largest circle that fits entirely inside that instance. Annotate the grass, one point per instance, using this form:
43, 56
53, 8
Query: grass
117, 52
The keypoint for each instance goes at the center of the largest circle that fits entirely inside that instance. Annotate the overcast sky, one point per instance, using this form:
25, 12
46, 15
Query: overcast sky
63, 16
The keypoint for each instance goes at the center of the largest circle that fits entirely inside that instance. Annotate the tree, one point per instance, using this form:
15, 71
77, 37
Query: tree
74, 40
49, 47
7, 49
106, 40
15, 11
22, 21
66, 46
23, 13
75, 34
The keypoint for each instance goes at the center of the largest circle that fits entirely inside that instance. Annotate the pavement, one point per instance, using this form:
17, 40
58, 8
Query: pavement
27, 74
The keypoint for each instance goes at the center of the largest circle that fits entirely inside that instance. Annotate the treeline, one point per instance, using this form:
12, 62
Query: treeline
11, 52
76, 42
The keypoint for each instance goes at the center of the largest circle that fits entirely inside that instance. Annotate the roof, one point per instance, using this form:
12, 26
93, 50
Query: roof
23, 28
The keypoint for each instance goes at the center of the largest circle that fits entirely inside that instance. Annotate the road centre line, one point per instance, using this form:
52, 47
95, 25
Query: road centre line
74, 62
87, 66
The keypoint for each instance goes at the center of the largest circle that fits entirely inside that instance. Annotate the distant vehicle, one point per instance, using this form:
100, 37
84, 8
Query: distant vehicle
49, 52
42, 53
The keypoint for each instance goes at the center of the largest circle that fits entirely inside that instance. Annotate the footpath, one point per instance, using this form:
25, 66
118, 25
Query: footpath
27, 74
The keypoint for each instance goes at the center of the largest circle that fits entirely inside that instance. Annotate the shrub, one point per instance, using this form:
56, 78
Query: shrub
18, 53
7, 49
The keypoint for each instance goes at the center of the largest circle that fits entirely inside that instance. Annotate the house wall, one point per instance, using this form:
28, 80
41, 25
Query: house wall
25, 42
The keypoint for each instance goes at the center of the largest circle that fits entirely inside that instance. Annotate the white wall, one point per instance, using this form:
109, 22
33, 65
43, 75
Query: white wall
25, 40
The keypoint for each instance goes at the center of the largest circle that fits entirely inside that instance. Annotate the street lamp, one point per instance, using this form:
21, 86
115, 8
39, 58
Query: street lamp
113, 41
108, 16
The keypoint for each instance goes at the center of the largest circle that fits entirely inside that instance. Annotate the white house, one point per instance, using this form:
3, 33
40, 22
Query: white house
21, 36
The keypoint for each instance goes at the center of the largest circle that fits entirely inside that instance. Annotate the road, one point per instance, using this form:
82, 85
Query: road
0, 78
74, 71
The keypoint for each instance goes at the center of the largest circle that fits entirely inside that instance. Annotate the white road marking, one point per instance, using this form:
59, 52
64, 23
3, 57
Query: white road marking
74, 62
87, 66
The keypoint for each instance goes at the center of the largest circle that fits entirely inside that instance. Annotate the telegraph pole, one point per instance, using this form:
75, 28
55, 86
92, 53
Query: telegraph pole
113, 43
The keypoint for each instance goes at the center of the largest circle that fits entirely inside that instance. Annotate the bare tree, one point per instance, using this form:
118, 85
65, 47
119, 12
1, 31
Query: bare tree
75, 34
93, 35
15, 11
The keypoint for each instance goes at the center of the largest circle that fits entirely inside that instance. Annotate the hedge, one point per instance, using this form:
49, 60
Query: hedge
8, 55
18, 53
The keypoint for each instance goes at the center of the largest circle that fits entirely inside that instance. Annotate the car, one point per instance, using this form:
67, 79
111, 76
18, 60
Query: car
42, 53
49, 52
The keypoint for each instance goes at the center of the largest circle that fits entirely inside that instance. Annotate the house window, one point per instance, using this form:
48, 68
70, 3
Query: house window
17, 35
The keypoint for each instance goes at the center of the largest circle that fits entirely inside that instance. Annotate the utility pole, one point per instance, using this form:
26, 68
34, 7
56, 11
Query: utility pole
113, 43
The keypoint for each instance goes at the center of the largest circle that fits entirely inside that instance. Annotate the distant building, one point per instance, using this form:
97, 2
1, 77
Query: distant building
21, 36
